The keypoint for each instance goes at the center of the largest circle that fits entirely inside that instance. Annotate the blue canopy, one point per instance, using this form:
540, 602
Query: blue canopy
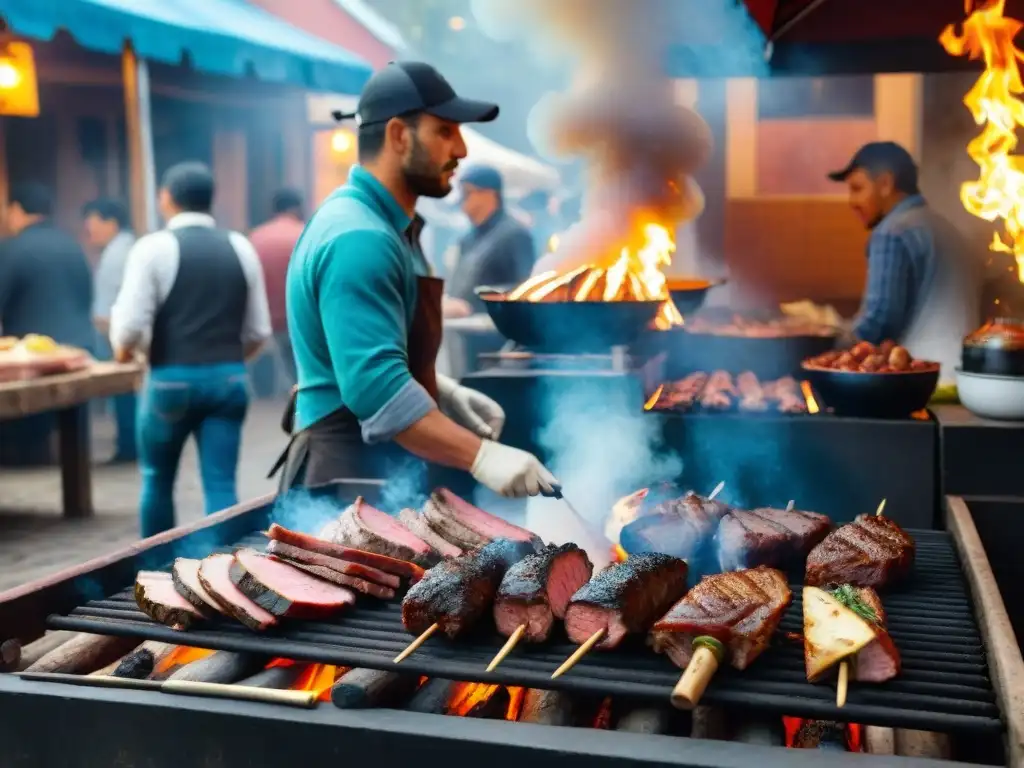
223, 37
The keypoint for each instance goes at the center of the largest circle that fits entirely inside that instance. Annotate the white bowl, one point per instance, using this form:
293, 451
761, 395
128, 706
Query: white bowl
992, 397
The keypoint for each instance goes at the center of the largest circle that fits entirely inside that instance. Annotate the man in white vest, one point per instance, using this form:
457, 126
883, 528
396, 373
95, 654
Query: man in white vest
923, 286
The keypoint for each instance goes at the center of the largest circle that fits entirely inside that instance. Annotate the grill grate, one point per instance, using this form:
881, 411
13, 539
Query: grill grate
944, 685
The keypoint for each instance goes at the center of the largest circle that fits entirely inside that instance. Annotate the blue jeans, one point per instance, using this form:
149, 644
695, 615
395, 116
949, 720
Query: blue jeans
208, 401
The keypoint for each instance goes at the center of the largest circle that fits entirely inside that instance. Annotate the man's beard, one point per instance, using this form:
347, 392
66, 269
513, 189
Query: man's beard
422, 175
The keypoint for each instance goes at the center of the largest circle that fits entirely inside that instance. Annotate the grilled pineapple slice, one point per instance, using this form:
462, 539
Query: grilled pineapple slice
832, 632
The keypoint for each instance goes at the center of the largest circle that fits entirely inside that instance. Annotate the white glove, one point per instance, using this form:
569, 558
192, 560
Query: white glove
470, 409
510, 471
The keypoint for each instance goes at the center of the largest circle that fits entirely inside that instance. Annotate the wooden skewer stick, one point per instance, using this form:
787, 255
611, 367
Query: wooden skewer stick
789, 507
844, 682
881, 506
707, 655
416, 643
718, 490
579, 653
506, 649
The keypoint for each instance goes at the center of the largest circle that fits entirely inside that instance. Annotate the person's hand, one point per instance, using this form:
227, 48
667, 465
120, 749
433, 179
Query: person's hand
455, 308
470, 409
510, 471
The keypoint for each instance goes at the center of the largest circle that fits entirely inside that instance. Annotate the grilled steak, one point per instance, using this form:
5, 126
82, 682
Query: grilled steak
740, 609
368, 528
341, 579
416, 523
879, 660
185, 574
872, 551
466, 526
157, 598
625, 598
749, 538
215, 576
285, 591
356, 570
536, 590
309, 543
456, 592
681, 527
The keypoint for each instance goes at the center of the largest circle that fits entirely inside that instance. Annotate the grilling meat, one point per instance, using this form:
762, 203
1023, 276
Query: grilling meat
215, 576
418, 524
848, 623
740, 609
879, 660
753, 396
680, 527
365, 527
285, 591
391, 565
872, 551
536, 590
681, 395
749, 538
185, 574
625, 598
341, 579
456, 592
719, 394
353, 570
460, 523
157, 598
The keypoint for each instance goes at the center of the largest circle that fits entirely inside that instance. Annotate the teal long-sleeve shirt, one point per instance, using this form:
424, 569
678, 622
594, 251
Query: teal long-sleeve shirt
351, 295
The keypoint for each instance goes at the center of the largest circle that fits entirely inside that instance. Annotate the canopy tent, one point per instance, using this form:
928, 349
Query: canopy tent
221, 37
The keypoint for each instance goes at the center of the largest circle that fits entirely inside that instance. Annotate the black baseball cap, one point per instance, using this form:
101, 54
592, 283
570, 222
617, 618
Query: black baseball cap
881, 156
406, 87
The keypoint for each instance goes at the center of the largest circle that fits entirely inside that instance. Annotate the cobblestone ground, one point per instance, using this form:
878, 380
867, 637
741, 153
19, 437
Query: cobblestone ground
35, 540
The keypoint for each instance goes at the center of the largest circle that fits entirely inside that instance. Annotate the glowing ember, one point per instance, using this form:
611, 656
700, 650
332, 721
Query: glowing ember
619, 555
993, 101
319, 678
653, 399
515, 703
812, 403
853, 732
603, 719
469, 695
183, 654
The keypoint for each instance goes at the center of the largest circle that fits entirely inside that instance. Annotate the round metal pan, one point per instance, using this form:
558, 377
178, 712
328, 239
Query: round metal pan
689, 294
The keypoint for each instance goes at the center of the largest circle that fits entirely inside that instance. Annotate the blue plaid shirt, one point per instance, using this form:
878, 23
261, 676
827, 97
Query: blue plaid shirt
901, 266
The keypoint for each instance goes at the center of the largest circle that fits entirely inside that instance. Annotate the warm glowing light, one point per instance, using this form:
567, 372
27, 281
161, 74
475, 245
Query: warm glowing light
456, 23
342, 141
653, 399
10, 77
808, 393
515, 703
469, 695
319, 678
995, 104
183, 654
619, 555
553, 243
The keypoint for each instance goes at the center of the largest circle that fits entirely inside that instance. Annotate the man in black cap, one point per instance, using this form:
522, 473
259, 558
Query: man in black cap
923, 284
365, 314
497, 250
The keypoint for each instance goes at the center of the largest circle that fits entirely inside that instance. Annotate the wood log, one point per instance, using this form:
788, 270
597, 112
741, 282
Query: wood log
548, 708
926, 744
765, 731
140, 663
879, 740
494, 707
38, 648
221, 667
83, 654
643, 718
365, 688
432, 697
10, 655
280, 678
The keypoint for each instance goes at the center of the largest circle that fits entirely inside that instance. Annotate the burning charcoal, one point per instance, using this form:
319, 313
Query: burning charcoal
548, 708
644, 718
433, 696
364, 688
767, 731
220, 667
482, 702
136, 666
281, 677
820, 734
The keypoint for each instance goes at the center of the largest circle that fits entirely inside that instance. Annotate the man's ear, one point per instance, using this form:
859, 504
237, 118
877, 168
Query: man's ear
397, 133
886, 183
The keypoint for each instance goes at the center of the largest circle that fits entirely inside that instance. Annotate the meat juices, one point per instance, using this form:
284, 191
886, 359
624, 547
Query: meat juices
418, 524
740, 609
625, 598
285, 591
749, 538
368, 528
872, 551
536, 590
460, 523
156, 597
391, 565
215, 576
455, 593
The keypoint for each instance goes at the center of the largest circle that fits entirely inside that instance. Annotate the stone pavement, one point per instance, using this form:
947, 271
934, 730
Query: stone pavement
35, 540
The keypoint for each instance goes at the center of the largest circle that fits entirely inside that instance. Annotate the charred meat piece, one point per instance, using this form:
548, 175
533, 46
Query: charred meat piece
418, 524
356, 570
460, 523
285, 591
185, 574
215, 576
625, 598
872, 551
752, 394
787, 396
536, 590
749, 538
740, 609
157, 598
341, 579
682, 394
368, 528
680, 527
391, 565
719, 393
456, 592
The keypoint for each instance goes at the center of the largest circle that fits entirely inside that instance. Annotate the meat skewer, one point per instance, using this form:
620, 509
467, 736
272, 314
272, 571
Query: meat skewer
622, 599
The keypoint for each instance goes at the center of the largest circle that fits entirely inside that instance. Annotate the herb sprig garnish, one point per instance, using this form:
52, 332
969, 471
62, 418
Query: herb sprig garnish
848, 596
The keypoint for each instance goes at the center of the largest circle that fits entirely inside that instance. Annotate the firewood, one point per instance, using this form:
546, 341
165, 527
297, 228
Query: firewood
548, 708
220, 667
38, 648
432, 697
364, 688
924, 744
140, 663
643, 718
879, 740
10, 655
83, 654
493, 707
280, 678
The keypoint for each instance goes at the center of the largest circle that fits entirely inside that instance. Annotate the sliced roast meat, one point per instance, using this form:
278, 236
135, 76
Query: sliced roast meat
416, 523
746, 540
368, 528
215, 576
625, 598
341, 579
536, 590
157, 598
285, 591
185, 574
806, 529
466, 526
357, 570
872, 551
339, 550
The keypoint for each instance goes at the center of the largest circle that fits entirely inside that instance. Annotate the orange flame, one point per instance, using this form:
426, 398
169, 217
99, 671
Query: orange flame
183, 654
467, 696
808, 393
995, 104
515, 703
619, 555
653, 399
319, 678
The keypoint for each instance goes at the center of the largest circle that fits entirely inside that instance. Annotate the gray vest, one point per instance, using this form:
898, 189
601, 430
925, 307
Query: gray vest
201, 321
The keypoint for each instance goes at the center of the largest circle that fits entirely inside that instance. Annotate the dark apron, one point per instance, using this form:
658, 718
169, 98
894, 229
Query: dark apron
333, 448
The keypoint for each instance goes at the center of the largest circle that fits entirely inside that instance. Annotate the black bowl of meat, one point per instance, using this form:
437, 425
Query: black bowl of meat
870, 381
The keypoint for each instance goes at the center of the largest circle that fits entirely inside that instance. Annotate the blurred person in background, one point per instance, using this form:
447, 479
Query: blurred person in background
108, 232
497, 250
274, 241
544, 222
193, 297
45, 288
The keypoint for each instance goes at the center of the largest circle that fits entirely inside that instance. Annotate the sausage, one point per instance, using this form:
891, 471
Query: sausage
872, 363
886, 347
899, 359
862, 350
844, 360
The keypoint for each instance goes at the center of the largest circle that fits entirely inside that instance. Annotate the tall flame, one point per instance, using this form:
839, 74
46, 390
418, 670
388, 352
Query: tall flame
995, 104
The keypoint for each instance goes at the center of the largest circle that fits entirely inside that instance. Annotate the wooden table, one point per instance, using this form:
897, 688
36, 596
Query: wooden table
65, 394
